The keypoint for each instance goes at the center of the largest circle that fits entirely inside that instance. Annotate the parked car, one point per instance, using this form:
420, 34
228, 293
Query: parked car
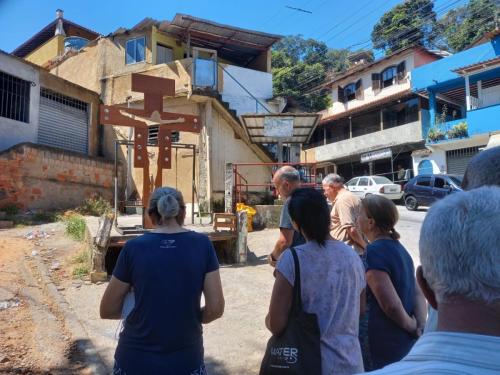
426, 189
365, 185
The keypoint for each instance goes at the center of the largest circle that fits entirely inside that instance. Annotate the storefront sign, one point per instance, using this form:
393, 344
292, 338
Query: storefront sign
376, 155
279, 127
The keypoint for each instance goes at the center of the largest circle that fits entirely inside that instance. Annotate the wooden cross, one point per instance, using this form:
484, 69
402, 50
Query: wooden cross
154, 89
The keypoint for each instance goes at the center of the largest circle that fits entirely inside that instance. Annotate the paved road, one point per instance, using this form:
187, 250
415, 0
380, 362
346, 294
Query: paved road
408, 227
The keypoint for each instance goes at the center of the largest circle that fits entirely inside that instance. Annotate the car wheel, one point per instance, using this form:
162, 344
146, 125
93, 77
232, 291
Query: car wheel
411, 203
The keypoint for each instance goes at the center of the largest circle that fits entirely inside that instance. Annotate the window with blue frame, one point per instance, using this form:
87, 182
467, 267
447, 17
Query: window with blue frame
135, 50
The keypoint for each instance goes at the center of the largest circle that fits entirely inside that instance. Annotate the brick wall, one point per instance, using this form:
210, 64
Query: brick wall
40, 177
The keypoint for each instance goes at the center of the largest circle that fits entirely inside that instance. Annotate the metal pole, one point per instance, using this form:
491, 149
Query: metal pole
192, 185
128, 185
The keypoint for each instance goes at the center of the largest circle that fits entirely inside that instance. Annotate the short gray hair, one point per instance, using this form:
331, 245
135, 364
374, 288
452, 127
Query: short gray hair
333, 179
459, 246
288, 173
483, 169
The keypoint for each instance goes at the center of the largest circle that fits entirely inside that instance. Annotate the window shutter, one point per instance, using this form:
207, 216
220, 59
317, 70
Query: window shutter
359, 89
376, 81
341, 94
401, 70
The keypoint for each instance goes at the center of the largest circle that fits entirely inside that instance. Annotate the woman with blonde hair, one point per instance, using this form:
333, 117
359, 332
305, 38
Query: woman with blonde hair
396, 306
169, 269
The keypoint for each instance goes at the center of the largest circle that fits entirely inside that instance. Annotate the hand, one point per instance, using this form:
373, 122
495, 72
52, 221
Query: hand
272, 260
412, 326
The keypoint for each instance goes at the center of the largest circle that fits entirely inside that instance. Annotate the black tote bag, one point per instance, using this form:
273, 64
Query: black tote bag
297, 350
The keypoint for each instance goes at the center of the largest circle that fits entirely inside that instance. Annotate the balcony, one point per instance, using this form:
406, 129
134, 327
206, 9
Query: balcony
408, 133
479, 121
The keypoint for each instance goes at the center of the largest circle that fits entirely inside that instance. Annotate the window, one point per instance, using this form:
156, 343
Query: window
389, 76
135, 50
164, 54
401, 113
363, 181
457, 180
424, 181
353, 182
380, 180
14, 98
439, 182
350, 92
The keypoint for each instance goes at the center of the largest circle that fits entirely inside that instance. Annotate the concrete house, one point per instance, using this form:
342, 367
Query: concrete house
464, 106
375, 120
220, 72
48, 139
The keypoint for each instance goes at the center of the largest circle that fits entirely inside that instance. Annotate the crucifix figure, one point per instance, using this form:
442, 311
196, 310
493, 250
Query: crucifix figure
154, 89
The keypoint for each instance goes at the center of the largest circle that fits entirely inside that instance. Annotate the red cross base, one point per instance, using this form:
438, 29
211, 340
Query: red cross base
154, 89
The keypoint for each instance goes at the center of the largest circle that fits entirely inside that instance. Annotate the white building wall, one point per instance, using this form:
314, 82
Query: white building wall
490, 96
369, 95
13, 132
259, 84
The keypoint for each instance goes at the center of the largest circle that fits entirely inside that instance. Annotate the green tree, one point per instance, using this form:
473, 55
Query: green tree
300, 64
463, 25
407, 24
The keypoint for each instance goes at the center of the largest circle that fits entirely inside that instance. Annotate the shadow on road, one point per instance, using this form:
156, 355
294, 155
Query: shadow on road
215, 367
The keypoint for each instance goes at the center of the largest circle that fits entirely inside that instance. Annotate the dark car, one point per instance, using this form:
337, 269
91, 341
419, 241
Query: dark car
426, 189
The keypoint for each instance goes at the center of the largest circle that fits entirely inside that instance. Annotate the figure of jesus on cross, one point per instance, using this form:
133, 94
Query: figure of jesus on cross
154, 89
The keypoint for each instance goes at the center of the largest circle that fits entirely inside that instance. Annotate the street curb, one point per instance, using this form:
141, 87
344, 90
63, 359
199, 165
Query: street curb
80, 335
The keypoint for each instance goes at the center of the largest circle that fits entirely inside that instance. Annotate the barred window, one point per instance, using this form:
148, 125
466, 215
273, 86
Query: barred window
14, 98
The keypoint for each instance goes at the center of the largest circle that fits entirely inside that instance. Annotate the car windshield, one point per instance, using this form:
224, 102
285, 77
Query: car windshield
457, 180
381, 180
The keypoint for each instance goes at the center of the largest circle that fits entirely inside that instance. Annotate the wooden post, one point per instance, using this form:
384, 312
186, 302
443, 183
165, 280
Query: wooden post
241, 243
100, 247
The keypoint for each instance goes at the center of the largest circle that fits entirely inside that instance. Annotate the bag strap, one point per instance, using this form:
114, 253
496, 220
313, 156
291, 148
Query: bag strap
297, 293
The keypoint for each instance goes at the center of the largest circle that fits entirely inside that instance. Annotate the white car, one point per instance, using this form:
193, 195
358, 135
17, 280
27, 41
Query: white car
366, 185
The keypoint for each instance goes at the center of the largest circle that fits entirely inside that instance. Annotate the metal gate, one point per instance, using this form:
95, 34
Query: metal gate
457, 160
63, 122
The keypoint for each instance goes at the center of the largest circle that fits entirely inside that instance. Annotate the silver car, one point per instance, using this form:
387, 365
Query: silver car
378, 185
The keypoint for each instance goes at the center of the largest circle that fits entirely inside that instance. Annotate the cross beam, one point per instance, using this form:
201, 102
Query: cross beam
154, 89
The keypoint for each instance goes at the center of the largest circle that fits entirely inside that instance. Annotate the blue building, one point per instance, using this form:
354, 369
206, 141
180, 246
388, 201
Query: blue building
461, 106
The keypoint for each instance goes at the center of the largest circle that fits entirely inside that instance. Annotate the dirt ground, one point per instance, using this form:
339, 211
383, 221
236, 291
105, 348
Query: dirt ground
34, 337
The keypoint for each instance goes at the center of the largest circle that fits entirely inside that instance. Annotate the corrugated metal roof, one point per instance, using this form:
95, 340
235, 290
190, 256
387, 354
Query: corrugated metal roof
238, 44
477, 66
303, 127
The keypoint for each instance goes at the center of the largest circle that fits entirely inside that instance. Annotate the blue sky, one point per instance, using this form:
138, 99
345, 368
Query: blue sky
339, 23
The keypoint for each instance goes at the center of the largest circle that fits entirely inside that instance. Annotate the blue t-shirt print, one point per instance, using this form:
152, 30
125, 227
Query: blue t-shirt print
163, 334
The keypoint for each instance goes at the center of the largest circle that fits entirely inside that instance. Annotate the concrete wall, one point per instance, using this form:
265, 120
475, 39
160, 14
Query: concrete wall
409, 133
13, 132
437, 157
483, 120
226, 148
490, 96
34, 176
52, 48
179, 48
259, 84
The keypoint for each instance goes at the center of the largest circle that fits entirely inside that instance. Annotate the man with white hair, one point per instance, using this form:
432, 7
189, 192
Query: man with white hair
460, 277
345, 210
286, 180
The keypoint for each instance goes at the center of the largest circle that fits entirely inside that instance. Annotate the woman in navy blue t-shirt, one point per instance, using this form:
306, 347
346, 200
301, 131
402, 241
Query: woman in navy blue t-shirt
396, 306
168, 268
